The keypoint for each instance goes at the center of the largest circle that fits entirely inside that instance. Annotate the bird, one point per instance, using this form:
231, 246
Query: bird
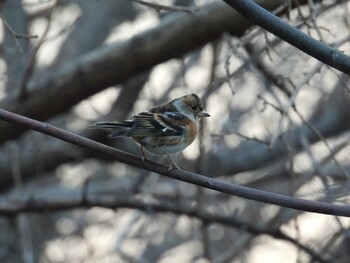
162, 130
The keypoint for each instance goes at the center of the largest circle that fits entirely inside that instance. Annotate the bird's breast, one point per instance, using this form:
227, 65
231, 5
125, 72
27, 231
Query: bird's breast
162, 145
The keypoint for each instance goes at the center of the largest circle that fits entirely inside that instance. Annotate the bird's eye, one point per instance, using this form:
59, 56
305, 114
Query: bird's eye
194, 108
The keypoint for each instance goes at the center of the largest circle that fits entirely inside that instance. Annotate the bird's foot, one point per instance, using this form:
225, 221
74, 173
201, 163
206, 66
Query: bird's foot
173, 165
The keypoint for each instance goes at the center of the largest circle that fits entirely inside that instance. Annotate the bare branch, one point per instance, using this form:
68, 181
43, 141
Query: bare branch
15, 34
167, 7
323, 139
16, 206
255, 139
32, 61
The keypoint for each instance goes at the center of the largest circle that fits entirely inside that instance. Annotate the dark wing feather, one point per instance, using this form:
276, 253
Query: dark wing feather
156, 124
121, 127
112, 124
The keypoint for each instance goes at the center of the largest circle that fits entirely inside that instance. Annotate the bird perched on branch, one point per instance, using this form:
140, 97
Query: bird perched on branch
164, 129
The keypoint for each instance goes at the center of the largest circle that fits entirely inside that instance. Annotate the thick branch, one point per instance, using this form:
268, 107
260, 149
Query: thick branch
258, 15
193, 178
13, 207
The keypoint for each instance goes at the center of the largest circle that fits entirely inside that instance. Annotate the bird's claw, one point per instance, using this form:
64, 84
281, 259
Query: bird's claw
173, 167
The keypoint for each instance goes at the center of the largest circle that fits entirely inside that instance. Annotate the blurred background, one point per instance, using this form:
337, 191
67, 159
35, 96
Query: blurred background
280, 122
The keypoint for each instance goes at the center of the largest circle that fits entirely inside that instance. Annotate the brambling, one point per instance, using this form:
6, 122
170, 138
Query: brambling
164, 129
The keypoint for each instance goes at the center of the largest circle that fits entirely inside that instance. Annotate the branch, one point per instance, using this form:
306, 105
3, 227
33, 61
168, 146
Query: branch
16, 35
258, 15
158, 7
330, 118
30, 66
193, 178
16, 206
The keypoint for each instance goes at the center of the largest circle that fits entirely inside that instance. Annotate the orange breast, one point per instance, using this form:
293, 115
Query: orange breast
192, 132
170, 144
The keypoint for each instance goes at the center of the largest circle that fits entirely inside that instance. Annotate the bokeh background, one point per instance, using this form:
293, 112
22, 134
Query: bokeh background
280, 122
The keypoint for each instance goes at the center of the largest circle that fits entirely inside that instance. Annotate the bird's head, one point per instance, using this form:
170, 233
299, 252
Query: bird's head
191, 106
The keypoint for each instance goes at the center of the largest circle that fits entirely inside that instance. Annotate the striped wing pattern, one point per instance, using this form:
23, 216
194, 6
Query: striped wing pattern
157, 124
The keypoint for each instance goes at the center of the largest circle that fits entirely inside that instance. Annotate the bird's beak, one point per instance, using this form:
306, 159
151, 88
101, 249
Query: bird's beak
203, 114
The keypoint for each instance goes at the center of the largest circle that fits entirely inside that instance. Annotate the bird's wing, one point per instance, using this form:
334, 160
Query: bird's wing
158, 124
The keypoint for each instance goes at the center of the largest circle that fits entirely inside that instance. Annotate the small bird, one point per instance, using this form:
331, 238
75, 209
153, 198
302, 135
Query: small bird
164, 129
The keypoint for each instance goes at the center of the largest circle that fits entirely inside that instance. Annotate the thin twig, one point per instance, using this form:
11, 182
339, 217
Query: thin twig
278, 109
167, 7
319, 173
32, 61
16, 35
242, 136
227, 64
323, 139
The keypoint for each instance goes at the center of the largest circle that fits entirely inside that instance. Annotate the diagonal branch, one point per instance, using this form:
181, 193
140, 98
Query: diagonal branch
193, 178
159, 7
258, 15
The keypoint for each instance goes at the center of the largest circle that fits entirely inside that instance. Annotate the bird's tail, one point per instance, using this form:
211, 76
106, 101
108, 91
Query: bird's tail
121, 127
111, 124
